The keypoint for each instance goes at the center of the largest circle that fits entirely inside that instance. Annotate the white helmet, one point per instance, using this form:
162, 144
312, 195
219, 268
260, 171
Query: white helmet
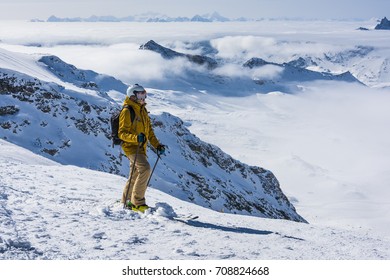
132, 90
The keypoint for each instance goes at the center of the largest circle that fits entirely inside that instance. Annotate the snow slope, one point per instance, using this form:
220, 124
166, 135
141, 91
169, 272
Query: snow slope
53, 211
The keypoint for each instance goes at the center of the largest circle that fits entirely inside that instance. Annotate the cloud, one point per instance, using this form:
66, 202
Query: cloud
123, 61
232, 70
260, 73
349, 124
242, 46
267, 72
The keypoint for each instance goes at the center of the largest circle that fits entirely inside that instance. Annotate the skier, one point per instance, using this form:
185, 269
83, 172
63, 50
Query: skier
135, 132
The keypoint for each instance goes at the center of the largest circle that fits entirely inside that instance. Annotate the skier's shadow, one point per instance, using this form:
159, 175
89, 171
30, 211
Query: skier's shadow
228, 229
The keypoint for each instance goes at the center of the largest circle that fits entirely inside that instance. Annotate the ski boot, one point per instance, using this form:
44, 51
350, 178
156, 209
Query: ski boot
140, 208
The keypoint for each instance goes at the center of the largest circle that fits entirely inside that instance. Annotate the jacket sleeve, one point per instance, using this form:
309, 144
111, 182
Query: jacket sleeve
151, 136
124, 131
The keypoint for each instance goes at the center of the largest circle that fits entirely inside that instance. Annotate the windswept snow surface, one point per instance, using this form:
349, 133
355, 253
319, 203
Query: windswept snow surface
52, 211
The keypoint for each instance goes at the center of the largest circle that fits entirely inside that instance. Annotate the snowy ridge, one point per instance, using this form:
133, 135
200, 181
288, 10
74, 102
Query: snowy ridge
82, 78
354, 59
171, 54
50, 211
72, 127
292, 71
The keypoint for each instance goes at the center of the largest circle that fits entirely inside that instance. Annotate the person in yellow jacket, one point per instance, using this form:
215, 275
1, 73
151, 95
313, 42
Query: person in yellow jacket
135, 133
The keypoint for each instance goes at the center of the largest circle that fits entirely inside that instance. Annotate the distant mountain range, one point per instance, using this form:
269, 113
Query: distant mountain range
292, 73
149, 17
156, 17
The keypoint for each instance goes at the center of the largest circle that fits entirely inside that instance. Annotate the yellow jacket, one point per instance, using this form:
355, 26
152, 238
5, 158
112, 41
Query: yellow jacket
128, 131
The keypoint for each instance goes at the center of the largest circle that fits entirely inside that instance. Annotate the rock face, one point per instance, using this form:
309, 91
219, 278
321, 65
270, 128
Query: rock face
383, 25
55, 122
171, 54
71, 126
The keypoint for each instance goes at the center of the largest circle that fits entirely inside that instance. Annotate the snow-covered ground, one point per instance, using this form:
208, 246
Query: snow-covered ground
326, 143
51, 211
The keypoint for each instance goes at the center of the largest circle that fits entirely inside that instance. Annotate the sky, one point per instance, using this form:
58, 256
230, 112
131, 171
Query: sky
330, 9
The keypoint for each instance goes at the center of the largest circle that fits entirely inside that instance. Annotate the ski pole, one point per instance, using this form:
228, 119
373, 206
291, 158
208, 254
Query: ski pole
131, 175
154, 167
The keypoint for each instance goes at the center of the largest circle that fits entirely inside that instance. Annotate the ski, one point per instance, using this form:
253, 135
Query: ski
176, 217
185, 218
170, 214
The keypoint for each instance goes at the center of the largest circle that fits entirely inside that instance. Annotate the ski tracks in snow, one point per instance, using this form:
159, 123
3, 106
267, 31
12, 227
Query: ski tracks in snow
46, 210
15, 241
47, 216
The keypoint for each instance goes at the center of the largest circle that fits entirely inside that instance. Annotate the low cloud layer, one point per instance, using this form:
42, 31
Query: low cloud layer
241, 48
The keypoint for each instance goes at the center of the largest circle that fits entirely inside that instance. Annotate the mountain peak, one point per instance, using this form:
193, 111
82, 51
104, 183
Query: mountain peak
383, 25
167, 53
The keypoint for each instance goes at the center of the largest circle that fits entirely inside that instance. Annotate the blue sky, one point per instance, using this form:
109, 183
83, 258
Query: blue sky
324, 9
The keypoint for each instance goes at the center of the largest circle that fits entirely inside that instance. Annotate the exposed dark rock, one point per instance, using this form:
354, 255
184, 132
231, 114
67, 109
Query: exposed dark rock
8, 110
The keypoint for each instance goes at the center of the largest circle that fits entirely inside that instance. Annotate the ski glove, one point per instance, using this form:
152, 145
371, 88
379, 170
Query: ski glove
141, 138
161, 150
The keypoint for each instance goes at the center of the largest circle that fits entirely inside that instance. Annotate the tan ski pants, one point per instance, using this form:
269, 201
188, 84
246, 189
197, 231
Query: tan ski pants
137, 187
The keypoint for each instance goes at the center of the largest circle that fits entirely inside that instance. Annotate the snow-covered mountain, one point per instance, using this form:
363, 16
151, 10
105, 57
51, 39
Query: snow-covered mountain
364, 62
292, 71
256, 73
69, 122
167, 53
64, 212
